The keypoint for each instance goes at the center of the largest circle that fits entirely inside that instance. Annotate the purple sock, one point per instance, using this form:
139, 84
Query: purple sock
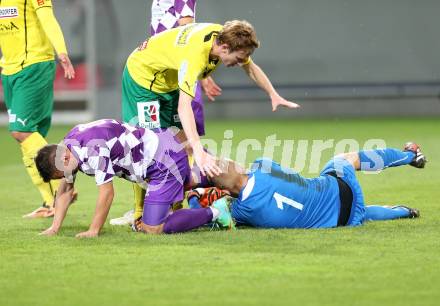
187, 219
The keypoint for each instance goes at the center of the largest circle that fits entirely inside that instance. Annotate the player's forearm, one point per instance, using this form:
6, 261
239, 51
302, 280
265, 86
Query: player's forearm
186, 116
52, 29
260, 78
62, 203
105, 199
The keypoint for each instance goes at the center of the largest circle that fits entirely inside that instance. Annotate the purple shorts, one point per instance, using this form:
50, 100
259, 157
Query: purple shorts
167, 176
197, 107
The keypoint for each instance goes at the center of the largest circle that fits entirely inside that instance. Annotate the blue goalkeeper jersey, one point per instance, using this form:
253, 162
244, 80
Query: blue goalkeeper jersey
277, 197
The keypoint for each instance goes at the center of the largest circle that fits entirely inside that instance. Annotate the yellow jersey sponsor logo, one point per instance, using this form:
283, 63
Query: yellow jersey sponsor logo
8, 27
187, 31
8, 12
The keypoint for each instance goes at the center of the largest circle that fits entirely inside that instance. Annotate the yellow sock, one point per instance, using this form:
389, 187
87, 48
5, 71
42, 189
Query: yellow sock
139, 195
29, 148
177, 205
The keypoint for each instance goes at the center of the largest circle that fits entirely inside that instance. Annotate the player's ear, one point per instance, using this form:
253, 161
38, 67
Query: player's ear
225, 49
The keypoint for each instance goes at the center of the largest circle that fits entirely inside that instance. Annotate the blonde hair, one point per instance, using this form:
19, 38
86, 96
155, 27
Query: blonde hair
238, 35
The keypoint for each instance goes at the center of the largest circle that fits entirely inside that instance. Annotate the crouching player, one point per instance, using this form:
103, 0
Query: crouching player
271, 196
108, 148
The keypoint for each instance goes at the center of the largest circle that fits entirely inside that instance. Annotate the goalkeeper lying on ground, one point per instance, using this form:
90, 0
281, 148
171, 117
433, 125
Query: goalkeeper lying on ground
271, 196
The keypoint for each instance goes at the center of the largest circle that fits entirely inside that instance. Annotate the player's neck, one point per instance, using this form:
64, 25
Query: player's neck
243, 181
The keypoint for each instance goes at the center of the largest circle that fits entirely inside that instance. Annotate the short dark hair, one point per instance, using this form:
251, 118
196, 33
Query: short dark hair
45, 161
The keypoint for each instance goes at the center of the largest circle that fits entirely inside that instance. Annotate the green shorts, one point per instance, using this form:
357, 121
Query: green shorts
144, 108
29, 98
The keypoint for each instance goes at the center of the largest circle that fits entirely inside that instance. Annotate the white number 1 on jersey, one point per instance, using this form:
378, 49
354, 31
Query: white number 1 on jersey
282, 199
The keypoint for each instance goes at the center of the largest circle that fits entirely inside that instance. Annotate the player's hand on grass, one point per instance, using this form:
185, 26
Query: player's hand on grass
51, 231
210, 88
280, 101
69, 72
207, 163
87, 234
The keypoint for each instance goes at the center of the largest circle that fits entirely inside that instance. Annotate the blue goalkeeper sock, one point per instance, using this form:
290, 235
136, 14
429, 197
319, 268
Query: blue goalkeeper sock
373, 160
376, 212
193, 203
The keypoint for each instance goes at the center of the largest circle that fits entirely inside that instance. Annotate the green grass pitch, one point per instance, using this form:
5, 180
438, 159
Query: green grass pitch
382, 263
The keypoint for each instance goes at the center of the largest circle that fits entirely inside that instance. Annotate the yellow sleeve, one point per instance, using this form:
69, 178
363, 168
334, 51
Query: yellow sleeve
50, 24
188, 75
41, 3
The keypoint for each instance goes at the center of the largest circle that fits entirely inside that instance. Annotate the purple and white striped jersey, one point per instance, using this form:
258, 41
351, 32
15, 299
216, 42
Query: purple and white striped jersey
166, 13
108, 148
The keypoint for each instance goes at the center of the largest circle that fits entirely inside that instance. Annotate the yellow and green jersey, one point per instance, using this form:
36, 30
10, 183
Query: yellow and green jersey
175, 59
23, 40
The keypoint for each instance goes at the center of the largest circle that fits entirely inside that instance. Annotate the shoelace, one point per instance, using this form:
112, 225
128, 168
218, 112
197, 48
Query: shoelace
214, 226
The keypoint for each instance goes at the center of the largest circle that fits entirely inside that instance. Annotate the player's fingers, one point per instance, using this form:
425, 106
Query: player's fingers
216, 92
216, 87
215, 170
202, 171
210, 97
69, 72
208, 171
293, 105
72, 72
